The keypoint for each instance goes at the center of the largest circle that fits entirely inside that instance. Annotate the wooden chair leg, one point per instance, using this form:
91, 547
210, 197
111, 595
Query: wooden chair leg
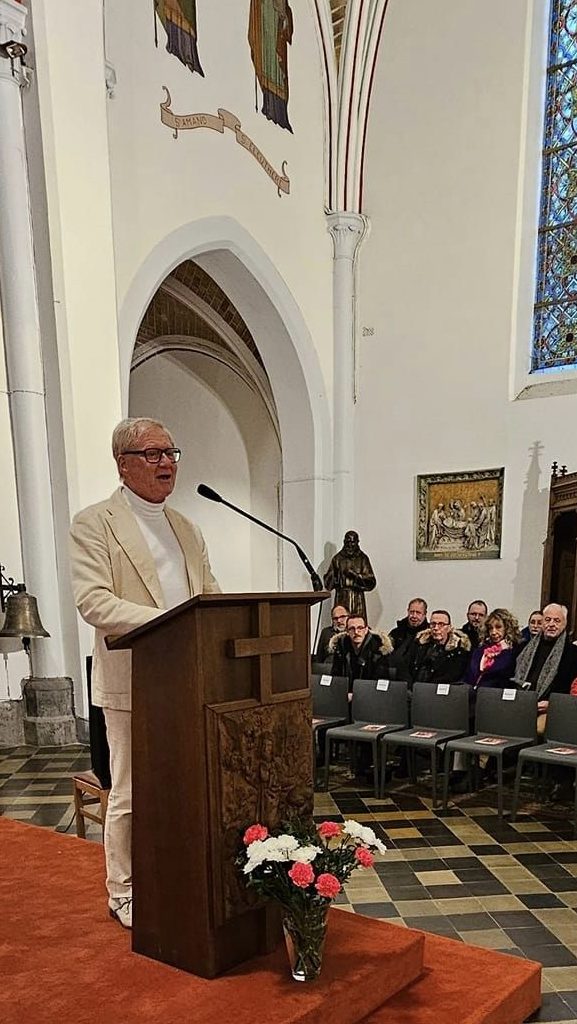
80, 827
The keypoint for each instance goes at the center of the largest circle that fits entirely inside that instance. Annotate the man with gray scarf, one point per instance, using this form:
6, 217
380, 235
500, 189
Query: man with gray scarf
548, 664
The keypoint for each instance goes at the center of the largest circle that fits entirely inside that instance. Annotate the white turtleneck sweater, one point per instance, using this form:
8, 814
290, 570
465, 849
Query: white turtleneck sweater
164, 548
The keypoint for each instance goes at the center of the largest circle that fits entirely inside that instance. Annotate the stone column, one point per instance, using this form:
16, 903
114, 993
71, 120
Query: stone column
347, 231
26, 391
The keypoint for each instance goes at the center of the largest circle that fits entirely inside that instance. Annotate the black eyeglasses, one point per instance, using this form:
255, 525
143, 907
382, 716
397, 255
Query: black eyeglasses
155, 454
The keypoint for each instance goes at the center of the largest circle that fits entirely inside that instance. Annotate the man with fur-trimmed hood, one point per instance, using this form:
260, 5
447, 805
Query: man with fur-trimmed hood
441, 652
363, 653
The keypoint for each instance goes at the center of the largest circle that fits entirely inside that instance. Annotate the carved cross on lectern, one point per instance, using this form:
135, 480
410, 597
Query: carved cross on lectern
262, 647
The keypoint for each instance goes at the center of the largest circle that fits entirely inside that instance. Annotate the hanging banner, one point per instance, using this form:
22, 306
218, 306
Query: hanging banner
218, 122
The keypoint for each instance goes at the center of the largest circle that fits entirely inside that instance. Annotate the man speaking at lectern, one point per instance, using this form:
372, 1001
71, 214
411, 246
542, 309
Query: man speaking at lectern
132, 558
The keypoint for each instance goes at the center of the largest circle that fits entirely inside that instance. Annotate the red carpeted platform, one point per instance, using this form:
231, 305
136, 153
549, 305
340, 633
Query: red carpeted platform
63, 960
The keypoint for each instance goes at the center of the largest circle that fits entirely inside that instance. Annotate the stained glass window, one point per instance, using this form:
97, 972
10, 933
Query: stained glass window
555, 322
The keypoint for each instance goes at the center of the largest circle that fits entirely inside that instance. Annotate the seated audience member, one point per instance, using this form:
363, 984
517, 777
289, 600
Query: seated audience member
473, 628
339, 617
493, 663
534, 626
363, 653
441, 652
548, 663
405, 632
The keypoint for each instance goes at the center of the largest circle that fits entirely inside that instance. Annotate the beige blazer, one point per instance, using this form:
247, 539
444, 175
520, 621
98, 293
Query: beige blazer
116, 585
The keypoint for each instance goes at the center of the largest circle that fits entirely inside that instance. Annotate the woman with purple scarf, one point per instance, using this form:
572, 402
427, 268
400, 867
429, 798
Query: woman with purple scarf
493, 662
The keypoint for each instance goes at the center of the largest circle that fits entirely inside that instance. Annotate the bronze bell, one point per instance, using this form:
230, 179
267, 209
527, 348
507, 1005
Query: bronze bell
22, 618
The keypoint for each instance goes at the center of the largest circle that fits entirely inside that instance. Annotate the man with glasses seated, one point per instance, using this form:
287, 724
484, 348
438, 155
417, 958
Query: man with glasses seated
363, 653
442, 653
339, 616
132, 557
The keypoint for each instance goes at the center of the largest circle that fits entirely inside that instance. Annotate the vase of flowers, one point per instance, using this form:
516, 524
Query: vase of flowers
304, 867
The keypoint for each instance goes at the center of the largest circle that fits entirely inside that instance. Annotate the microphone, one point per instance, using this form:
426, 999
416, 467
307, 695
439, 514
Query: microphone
207, 492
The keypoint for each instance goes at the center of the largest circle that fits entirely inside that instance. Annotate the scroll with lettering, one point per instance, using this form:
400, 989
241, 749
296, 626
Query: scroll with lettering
218, 122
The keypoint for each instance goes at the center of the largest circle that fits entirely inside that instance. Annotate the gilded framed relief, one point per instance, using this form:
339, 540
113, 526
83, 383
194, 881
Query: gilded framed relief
459, 515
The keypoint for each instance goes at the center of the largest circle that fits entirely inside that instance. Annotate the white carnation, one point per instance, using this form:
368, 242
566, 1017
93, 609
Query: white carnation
306, 854
276, 848
365, 834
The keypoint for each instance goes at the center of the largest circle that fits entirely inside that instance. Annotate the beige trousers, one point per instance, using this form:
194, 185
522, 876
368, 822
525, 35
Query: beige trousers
118, 827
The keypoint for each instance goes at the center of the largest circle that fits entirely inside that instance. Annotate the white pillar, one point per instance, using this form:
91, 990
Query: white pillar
346, 231
23, 354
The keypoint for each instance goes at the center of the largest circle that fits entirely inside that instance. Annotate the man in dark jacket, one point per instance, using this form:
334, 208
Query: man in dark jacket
363, 653
548, 663
339, 617
404, 635
473, 628
442, 653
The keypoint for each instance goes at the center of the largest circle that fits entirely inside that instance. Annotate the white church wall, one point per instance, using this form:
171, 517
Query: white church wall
228, 442
445, 153
69, 59
160, 183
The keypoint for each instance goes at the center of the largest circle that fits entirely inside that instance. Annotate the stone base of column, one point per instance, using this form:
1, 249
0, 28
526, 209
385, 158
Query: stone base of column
11, 723
49, 712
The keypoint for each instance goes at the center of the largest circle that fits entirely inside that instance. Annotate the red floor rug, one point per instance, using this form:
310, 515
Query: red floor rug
64, 961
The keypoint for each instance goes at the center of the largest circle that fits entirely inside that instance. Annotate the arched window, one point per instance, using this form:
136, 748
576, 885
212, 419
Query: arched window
555, 318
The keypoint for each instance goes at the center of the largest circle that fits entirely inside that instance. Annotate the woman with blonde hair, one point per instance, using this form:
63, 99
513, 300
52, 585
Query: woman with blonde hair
493, 662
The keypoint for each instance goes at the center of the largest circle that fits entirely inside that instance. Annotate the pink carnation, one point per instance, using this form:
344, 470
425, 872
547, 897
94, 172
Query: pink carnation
254, 833
302, 875
328, 885
364, 857
329, 829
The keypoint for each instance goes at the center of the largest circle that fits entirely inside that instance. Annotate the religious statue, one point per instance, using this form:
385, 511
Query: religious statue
178, 18
270, 30
349, 575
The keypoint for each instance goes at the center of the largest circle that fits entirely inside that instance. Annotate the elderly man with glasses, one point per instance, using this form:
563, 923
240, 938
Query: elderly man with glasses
132, 557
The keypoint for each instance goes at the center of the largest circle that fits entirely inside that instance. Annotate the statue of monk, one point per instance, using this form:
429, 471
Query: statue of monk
349, 575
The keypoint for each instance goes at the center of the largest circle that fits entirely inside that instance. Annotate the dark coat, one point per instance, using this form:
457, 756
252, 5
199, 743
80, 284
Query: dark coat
436, 664
374, 659
499, 674
566, 672
322, 651
471, 634
403, 637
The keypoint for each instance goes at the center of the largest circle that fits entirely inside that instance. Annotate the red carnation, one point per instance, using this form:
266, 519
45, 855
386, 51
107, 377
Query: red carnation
364, 857
329, 829
253, 833
328, 885
302, 874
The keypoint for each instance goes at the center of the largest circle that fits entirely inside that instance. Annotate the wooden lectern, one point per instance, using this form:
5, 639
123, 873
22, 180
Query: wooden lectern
221, 738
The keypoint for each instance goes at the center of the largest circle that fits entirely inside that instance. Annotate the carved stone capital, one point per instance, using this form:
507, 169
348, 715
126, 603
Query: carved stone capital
12, 29
110, 79
347, 231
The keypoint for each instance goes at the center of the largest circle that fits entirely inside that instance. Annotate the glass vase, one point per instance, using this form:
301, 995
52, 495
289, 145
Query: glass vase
304, 932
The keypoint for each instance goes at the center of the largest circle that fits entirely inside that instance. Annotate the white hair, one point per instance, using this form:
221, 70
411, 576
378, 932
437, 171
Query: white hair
128, 432
562, 608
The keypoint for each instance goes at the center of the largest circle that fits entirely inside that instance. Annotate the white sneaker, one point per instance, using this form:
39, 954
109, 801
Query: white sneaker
121, 908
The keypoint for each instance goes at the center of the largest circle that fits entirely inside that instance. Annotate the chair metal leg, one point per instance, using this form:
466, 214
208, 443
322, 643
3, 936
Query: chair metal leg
412, 764
471, 764
434, 774
447, 761
328, 742
515, 803
375, 767
384, 765
500, 787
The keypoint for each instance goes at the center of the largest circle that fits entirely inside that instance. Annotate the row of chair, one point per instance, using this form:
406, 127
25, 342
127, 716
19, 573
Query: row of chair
437, 720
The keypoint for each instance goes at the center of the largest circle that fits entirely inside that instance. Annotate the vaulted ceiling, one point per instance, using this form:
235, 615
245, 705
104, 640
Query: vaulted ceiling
338, 11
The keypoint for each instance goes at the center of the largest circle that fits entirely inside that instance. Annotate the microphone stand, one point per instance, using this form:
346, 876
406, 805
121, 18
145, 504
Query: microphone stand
207, 492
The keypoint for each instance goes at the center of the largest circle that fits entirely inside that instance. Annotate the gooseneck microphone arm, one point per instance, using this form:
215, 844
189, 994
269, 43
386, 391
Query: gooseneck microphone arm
207, 492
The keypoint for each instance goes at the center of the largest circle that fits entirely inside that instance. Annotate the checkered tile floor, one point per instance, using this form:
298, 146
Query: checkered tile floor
462, 874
